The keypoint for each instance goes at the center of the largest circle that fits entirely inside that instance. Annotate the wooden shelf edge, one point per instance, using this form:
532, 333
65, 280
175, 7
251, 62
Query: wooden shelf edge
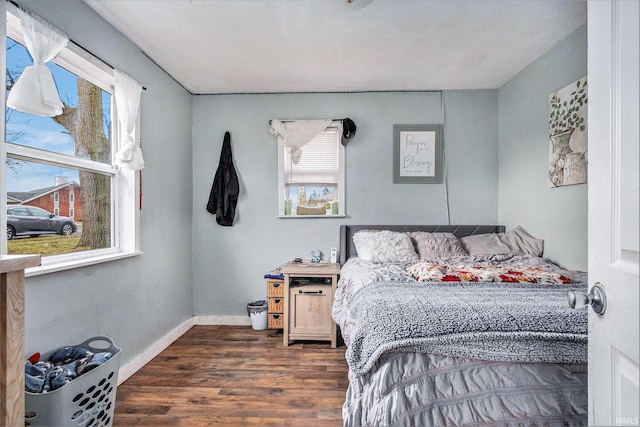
9, 263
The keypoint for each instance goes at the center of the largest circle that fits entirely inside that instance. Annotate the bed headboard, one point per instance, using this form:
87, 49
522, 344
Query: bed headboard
348, 249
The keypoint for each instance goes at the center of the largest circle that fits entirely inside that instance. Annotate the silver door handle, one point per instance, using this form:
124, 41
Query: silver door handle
310, 292
596, 298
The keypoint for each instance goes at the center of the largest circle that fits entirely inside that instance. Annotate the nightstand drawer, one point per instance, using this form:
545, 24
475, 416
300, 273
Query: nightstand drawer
276, 305
275, 288
310, 311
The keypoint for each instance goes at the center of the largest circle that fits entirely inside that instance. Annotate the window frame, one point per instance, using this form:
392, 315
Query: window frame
125, 187
341, 190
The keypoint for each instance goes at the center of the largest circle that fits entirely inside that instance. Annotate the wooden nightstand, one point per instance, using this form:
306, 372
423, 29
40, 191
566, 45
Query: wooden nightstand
308, 296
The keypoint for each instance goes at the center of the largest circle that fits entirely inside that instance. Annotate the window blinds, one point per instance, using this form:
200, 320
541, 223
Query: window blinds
318, 163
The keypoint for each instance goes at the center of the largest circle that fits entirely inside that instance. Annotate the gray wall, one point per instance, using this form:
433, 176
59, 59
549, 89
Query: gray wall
138, 300
557, 215
229, 262
192, 266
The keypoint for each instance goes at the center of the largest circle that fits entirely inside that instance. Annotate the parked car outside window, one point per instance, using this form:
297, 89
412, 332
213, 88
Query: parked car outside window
33, 221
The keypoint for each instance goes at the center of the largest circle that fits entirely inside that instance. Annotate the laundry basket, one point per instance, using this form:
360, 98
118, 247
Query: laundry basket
88, 400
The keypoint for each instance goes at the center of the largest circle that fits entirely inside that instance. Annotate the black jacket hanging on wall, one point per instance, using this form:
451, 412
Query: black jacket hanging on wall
225, 189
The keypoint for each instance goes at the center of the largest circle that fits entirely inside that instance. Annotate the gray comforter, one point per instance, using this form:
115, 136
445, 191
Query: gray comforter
459, 354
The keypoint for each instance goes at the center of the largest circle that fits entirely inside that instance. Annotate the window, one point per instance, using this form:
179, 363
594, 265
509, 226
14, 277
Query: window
17, 211
42, 152
314, 186
56, 203
39, 213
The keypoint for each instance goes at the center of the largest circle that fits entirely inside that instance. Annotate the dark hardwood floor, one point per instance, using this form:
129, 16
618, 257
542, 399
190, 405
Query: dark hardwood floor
236, 376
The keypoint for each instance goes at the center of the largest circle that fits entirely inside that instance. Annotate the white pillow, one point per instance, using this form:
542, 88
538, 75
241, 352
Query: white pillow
384, 246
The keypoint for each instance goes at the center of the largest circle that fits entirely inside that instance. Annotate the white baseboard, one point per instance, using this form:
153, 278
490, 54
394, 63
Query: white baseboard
156, 348
222, 320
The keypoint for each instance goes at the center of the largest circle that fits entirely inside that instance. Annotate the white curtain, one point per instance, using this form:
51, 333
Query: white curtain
127, 95
35, 91
295, 134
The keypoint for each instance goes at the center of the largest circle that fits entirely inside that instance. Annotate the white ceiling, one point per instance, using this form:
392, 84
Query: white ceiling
267, 46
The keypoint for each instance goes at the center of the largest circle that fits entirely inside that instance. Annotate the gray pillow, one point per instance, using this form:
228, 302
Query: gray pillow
436, 244
480, 244
520, 241
517, 241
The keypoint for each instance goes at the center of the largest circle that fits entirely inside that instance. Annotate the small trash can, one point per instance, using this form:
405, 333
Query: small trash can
257, 311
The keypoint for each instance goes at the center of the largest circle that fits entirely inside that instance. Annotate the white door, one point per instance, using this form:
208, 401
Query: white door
613, 51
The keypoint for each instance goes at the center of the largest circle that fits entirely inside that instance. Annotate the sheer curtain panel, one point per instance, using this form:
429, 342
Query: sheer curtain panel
127, 96
35, 91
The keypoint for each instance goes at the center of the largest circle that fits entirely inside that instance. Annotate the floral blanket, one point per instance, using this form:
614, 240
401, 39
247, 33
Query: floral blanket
513, 272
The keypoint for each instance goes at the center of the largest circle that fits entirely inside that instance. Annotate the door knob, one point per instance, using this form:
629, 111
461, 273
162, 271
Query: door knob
596, 298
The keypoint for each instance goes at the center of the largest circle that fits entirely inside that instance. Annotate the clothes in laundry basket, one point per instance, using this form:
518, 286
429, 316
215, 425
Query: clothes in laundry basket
64, 365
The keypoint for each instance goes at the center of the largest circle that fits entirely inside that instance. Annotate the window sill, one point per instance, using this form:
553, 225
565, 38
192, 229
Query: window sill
313, 216
83, 262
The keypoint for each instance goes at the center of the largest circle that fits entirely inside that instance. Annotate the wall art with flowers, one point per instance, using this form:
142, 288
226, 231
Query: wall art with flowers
568, 135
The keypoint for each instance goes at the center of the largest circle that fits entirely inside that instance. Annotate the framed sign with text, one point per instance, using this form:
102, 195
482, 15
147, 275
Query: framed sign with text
417, 154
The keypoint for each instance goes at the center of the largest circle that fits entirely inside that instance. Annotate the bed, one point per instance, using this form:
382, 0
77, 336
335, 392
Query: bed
472, 328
